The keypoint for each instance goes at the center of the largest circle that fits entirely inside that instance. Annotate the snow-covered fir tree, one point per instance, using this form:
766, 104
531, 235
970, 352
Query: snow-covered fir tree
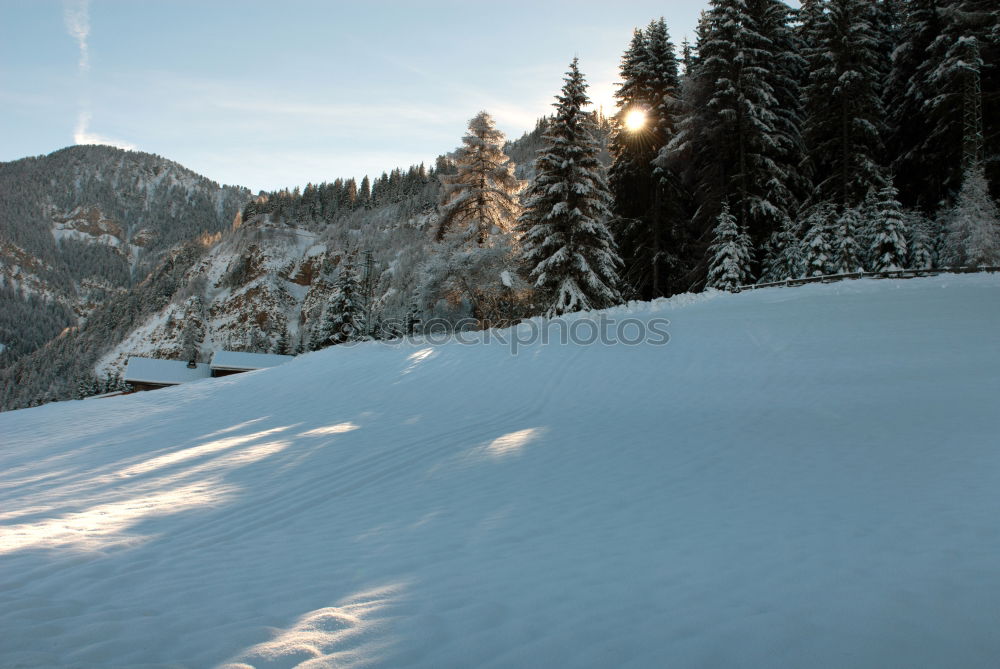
481, 197
86, 387
645, 200
283, 345
754, 108
317, 338
661, 84
908, 90
344, 315
920, 241
849, 254
731, 254
662, 234
818, 241
193, 332
785, 259
566, 242
739, 141
888, 233
844, 114
972, 226
868, 213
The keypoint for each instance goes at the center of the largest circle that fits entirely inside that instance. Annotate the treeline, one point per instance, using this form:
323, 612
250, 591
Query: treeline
417, 187
109, 383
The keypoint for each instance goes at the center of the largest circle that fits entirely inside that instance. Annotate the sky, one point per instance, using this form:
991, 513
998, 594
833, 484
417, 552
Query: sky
283, 93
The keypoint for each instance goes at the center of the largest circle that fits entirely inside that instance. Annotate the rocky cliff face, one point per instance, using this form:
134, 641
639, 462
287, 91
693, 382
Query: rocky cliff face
257, 284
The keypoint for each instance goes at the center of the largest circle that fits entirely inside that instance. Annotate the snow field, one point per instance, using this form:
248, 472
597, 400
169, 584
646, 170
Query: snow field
801, 477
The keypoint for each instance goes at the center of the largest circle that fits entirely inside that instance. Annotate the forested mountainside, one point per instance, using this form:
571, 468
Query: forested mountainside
87, 223
256, 279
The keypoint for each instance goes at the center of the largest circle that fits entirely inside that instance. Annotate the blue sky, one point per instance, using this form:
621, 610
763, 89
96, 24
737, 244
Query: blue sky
272, 94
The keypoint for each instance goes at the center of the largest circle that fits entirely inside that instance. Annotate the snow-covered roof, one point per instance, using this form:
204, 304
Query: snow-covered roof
235, 360
166, 372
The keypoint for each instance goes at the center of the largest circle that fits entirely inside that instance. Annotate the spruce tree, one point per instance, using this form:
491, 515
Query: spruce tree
731, 254
365, 193
192, 334
849, 254
661, 236
844, 113
84, 387
868, 214
646, 199
630, 174
785, 259
344, 316
566, 242
108, 386
888, 237
818, 241
920, 242
741, 130
317, 338
908, 90
481, 198
284, 345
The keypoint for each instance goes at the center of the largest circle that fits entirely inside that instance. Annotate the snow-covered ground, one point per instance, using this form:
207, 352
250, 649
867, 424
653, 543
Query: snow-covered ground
804, 477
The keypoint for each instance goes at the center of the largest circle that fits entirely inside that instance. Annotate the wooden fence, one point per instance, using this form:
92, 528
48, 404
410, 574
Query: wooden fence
891, 274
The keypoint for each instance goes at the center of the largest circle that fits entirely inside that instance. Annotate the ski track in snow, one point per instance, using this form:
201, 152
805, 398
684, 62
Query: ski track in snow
803, 477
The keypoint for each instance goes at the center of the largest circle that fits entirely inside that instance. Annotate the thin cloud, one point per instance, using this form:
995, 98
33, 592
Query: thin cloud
82, 135
76, 14
363, 114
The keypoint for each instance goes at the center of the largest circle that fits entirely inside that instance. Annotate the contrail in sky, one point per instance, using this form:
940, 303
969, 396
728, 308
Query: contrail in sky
77, 18
76, 14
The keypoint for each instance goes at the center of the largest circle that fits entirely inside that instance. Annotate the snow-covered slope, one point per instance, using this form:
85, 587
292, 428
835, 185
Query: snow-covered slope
802, 477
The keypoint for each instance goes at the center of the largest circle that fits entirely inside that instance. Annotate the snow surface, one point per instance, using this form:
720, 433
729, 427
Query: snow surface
152, 370
247, 361
802, 477
63, 231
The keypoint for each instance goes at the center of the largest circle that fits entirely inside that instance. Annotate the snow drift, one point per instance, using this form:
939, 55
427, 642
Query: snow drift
801, 477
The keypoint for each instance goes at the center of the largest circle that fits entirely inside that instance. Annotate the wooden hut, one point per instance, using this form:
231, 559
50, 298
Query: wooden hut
153, 373
225, 363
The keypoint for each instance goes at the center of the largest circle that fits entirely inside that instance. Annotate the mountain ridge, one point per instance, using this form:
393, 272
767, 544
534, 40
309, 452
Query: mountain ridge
85, 223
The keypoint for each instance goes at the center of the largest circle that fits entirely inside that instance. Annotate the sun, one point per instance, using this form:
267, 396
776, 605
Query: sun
635, 120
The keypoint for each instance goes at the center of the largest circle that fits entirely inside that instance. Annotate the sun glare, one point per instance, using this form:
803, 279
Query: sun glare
635, 120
